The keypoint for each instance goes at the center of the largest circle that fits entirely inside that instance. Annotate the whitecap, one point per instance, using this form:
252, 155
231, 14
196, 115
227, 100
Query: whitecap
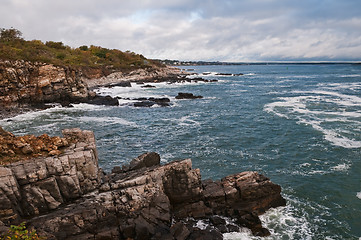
319, 109
183, 121
341, 167
108, 120
350, 75
358, 195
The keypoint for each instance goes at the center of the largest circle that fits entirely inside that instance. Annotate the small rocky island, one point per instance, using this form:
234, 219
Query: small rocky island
57, 187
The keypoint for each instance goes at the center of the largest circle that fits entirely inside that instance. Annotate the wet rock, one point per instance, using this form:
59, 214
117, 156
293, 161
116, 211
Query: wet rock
68, 196
148, 102
104, 100
120, 84
145, 103
148, 86
187, 96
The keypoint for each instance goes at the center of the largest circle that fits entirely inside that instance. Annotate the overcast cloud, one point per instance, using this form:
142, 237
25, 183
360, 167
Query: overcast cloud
228, 30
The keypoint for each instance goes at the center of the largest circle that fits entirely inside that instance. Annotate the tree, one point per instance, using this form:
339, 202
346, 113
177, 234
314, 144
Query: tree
10, 34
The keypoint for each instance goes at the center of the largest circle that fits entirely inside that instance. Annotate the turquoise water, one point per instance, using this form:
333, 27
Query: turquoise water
300, 125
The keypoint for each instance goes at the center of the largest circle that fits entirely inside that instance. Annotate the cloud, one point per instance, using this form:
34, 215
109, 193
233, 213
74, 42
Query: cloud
229, 30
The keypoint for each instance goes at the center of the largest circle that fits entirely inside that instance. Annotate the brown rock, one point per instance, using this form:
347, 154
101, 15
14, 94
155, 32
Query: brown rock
69, 197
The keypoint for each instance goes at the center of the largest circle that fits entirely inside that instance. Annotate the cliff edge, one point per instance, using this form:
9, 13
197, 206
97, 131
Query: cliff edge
67, 196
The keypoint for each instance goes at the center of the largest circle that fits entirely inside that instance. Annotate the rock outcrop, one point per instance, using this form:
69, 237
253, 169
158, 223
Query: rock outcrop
69, 197
161, 74
26, 83
38, 185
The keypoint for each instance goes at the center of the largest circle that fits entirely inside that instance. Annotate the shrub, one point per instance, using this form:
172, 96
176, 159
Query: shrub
60, 56
84, 48
57, 45
20, 232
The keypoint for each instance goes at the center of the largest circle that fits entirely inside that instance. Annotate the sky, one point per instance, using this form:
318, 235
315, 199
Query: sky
209, 30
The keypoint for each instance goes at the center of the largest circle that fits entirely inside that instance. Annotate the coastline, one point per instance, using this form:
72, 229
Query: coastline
65, 195
31, 86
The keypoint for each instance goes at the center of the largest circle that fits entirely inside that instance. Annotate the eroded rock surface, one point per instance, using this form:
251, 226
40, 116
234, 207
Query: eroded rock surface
69, 197
25, 83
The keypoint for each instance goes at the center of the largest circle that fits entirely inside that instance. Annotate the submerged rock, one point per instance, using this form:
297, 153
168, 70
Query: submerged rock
69, 197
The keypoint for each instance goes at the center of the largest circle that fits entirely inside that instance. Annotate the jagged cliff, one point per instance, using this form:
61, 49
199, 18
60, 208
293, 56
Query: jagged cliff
67, 196
25, 84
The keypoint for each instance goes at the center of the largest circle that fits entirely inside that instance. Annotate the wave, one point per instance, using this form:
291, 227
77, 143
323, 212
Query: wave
108, 120
183, 121
341, 167
350, 75
320, 109
358, 195
283, 223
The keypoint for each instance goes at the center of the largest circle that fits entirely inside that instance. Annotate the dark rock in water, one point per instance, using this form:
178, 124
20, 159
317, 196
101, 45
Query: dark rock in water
148, 102
224, 74
140, 99
68, 196
120, 84
145, 103
104, 100
148, 86
187, 96
238, 74
159, 100
207, 234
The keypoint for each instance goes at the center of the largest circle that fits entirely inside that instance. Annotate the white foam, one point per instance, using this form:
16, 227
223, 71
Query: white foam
201, 225
341, 167
108, 120
350, 75
183, 121
319, 107
282, 222
243, 234
358, 195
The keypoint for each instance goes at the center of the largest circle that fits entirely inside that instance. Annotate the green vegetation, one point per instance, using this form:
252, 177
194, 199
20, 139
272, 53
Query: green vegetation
20, 232
14, 47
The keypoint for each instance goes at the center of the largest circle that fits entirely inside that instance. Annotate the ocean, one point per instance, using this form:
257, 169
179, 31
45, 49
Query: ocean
298, 124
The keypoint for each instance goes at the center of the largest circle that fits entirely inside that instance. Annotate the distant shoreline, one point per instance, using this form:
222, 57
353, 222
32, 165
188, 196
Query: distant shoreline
205, 63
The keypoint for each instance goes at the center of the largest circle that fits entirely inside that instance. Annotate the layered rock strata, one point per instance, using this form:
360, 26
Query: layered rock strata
29, 84
69, 197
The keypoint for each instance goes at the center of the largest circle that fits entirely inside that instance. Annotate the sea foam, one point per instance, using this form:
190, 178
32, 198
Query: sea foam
319, 109
358, 195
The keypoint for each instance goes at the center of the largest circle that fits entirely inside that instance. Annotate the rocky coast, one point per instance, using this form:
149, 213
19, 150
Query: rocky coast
26, 86
56, 185
63, 194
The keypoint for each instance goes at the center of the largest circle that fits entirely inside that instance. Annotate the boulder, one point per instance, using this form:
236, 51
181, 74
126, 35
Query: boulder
187, 96
104, 100
148, 102
145, 160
